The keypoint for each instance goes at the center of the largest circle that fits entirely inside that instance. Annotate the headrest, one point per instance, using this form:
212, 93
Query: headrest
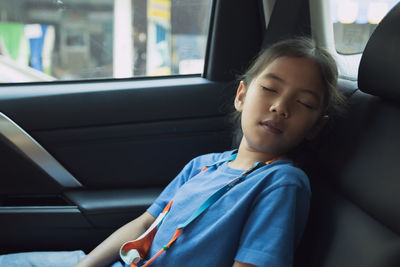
379, 70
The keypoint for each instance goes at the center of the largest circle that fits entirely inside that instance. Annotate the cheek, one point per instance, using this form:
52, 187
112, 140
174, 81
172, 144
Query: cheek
307, 122
251, 109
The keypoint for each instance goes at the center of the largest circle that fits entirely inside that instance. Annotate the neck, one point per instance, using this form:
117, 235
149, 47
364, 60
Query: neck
247, 157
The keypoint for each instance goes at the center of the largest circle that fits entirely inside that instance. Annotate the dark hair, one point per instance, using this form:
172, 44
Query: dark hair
334, 101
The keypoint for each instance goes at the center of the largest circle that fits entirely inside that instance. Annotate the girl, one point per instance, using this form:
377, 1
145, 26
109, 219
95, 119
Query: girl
283, 99
254, 202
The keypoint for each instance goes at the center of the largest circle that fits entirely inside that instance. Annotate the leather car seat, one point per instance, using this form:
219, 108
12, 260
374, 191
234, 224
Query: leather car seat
355, 172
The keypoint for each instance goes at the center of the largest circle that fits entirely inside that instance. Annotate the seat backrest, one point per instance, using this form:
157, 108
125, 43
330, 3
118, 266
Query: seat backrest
355, 173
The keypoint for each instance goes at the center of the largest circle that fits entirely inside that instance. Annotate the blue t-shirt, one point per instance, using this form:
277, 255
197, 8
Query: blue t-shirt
259, 221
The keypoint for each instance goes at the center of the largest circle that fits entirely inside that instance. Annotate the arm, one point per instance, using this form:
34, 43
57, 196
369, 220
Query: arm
108, 251
241, 264
273, 228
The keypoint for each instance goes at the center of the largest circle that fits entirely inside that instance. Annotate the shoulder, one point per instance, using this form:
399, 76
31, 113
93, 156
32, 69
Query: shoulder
211, 158
198, 163
284, 173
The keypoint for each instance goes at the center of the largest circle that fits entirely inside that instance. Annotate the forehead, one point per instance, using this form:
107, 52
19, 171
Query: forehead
297, 72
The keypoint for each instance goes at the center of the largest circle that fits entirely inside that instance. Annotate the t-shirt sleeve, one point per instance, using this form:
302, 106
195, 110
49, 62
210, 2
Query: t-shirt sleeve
191, 169
274, 226
168, 193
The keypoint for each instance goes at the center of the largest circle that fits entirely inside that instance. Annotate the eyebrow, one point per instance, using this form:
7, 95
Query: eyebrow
303, 90
274, 77
311, 92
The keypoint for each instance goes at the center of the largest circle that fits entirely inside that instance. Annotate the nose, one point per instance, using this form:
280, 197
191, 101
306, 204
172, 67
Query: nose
281, 108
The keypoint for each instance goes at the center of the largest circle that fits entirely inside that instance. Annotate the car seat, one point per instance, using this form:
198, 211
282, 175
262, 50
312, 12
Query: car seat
355, 173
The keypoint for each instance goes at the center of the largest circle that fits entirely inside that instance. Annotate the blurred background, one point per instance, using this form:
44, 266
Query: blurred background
89, 39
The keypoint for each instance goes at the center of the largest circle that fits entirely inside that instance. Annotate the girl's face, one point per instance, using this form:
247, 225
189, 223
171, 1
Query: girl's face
281, 106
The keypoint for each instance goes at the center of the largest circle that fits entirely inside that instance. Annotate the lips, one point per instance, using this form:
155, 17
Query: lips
272, 126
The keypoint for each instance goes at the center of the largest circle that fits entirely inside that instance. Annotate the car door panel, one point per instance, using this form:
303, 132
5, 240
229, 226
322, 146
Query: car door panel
84, 104
111, 208
123, 141
113, 156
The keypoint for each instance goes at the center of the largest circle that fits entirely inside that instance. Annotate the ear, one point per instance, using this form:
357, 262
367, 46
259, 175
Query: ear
240, 95
319, 125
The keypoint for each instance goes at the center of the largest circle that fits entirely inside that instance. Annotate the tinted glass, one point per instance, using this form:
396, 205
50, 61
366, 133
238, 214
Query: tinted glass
355, 20
91, 39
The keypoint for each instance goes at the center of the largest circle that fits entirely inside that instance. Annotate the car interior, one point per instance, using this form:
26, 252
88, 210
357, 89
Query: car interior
81, 158
354, 172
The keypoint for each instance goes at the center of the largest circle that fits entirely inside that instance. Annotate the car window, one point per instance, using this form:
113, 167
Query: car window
355, 20
45, 40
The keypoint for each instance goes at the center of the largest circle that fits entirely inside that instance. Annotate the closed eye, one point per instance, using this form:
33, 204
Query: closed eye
269, 89
305, 104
